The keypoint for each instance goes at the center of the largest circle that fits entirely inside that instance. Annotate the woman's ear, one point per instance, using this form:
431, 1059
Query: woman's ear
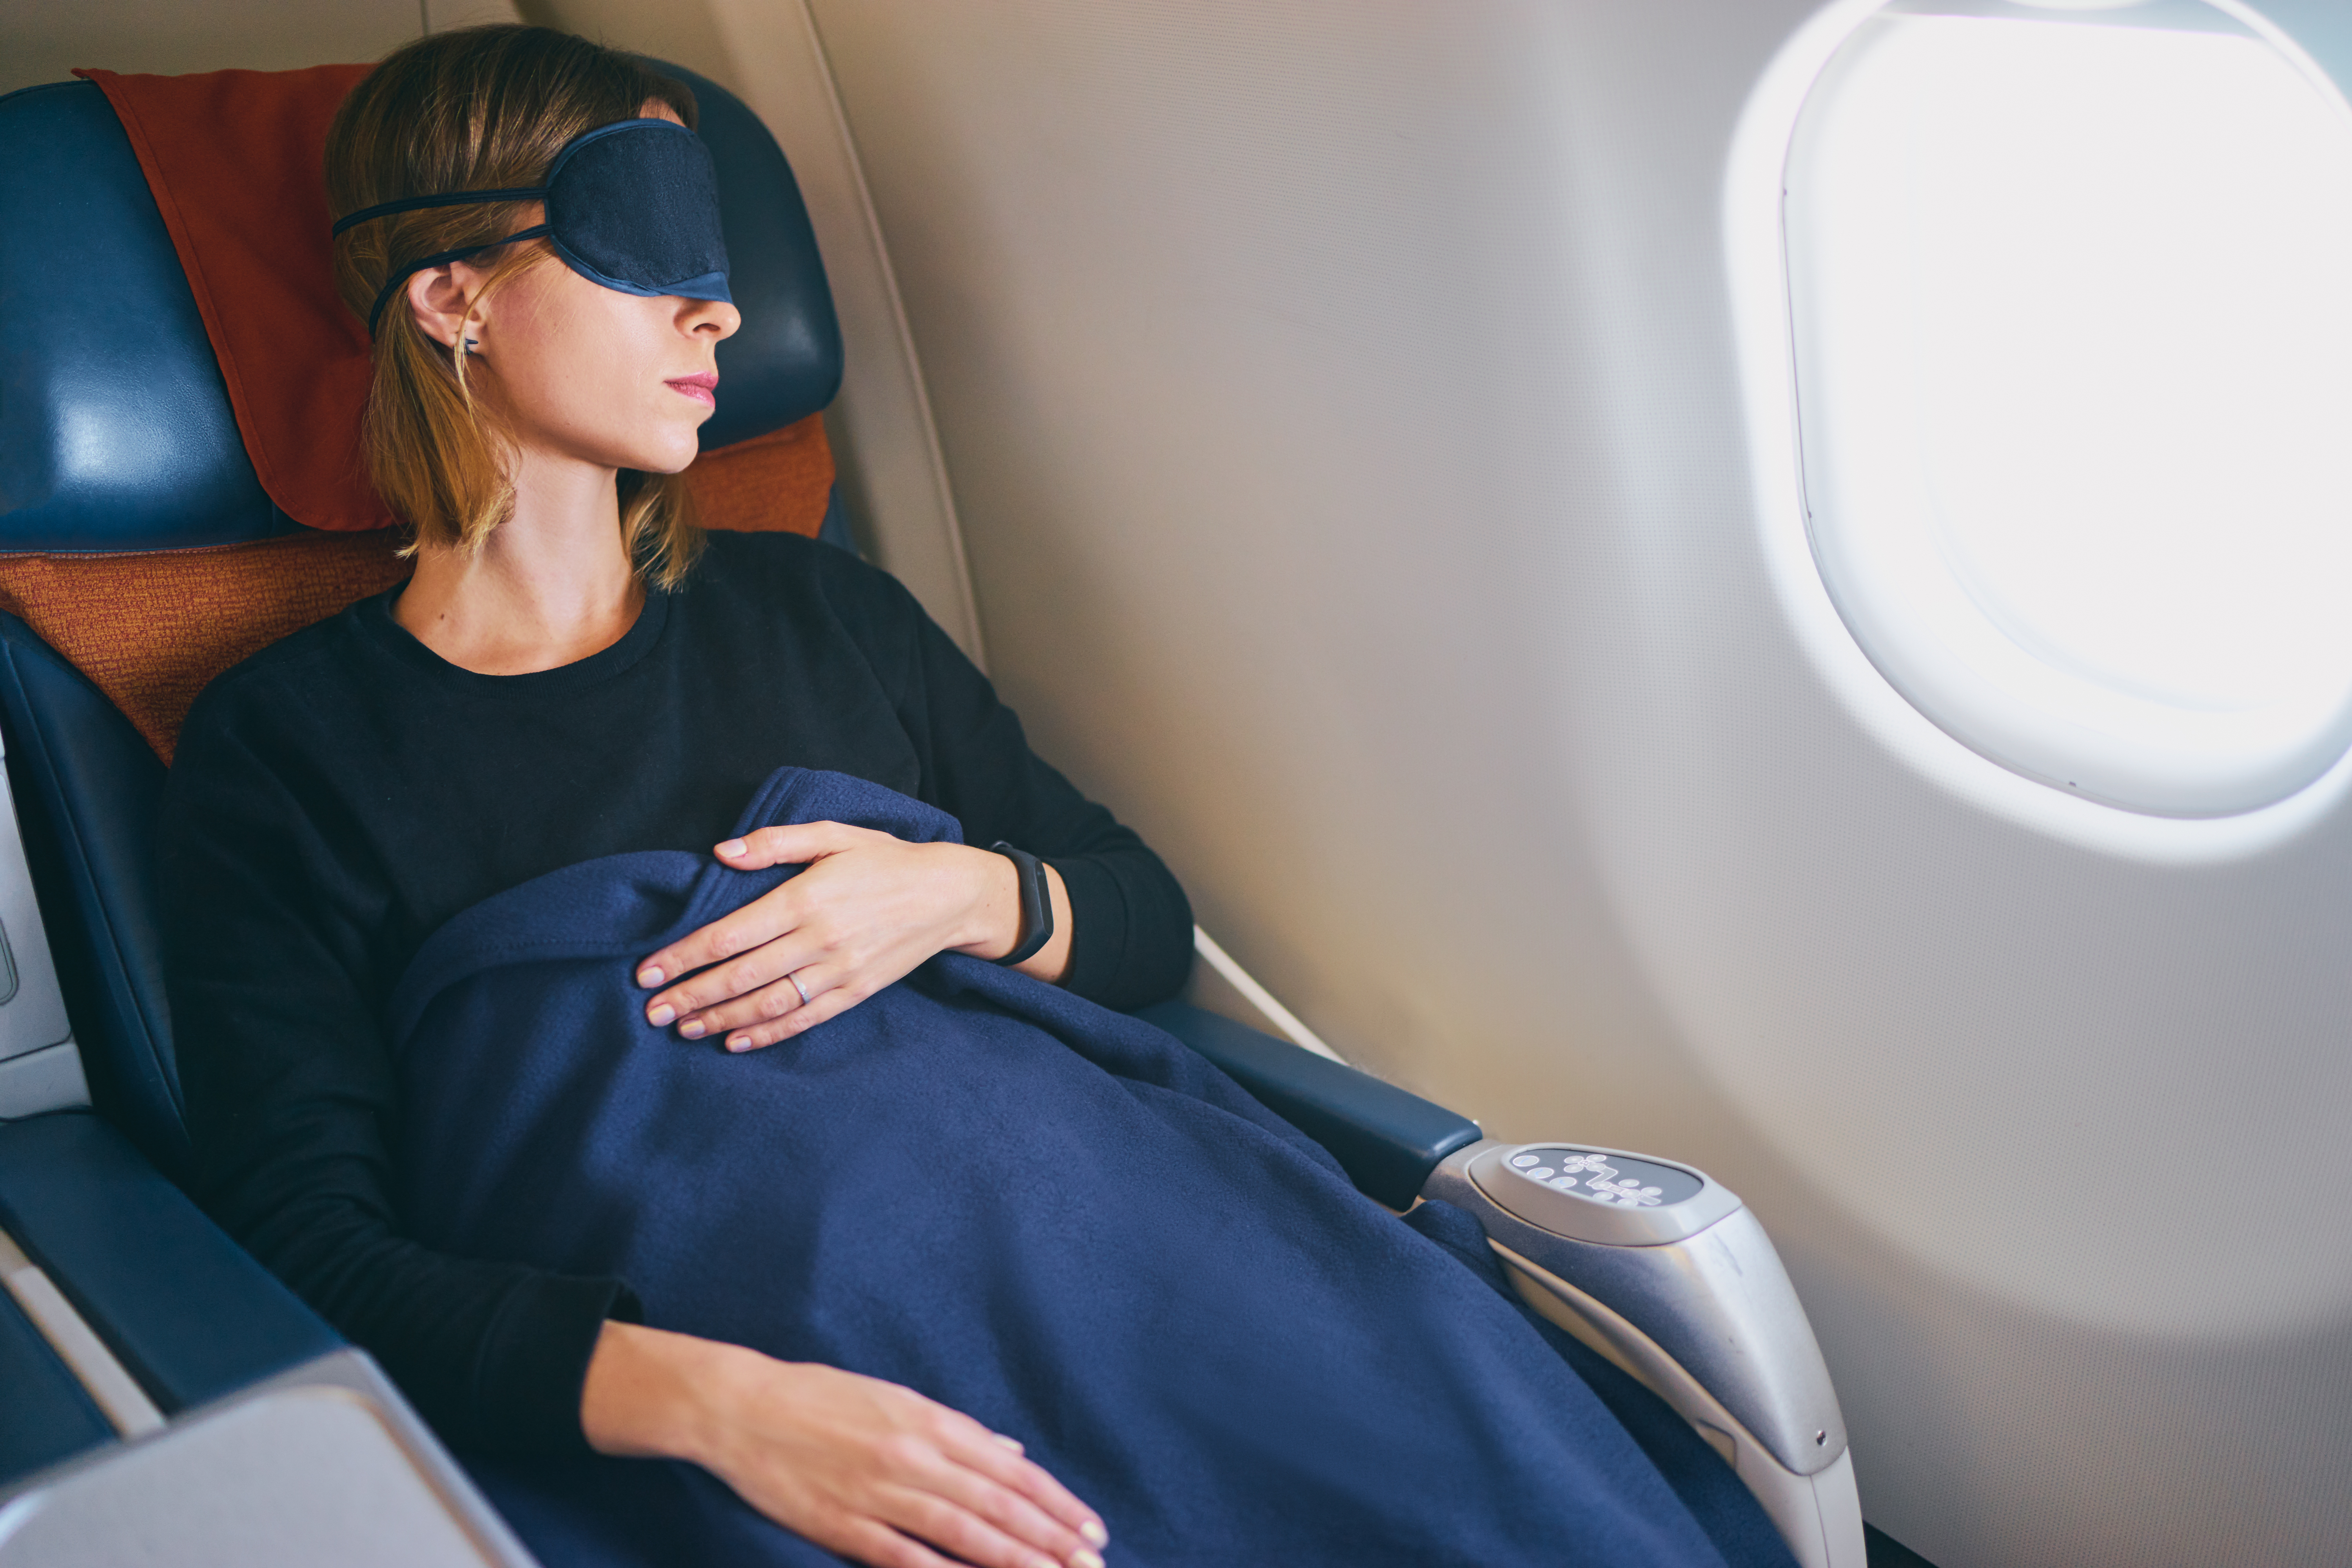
441, 298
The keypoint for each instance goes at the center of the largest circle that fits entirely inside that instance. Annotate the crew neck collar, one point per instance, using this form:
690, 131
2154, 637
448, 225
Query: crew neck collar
376, 620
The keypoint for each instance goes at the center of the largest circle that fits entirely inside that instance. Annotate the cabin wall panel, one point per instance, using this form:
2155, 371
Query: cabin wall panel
1342, 406
892, 485
43, 40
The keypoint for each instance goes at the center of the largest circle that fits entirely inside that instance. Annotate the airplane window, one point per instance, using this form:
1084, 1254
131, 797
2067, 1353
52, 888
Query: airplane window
2072, 295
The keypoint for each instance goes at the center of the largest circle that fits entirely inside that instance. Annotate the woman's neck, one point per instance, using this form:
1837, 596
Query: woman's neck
552, 584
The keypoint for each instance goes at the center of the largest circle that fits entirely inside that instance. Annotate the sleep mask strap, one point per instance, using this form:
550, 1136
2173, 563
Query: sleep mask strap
384, 295
452, 199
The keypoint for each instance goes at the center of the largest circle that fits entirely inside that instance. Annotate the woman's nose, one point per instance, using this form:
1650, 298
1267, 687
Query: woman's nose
715, 316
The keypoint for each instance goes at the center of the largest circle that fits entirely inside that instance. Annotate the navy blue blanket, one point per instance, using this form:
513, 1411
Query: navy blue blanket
1055, 1217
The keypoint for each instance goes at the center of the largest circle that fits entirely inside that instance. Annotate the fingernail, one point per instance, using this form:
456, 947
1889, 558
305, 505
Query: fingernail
649, 976
1005, 1442
740, 1043
1082, 1558
733, 847
662, 1016
1094, 1535
693, 1028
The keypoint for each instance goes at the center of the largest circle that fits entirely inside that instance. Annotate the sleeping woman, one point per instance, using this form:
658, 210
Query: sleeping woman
593, 995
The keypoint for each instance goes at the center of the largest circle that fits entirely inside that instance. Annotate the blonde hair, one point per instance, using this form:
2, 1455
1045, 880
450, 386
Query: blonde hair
470, 110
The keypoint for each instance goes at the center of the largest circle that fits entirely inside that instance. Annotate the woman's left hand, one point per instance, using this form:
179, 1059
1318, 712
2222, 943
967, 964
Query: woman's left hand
867, 909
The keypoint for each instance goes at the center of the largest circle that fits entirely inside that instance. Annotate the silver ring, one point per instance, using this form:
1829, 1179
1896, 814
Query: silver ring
795, 979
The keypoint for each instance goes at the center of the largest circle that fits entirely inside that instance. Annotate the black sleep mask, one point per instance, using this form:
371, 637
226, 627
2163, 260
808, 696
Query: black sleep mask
633, 206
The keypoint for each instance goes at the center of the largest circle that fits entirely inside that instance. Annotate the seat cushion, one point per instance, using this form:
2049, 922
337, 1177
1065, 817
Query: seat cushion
782, 481
151, 630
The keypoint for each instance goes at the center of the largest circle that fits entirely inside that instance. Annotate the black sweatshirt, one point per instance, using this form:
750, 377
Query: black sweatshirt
339, 795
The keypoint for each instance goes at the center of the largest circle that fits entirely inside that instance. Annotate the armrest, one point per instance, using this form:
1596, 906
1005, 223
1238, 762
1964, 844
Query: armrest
325, 1463
1387, 1139
188, 1312
47, 1417
1666, 1274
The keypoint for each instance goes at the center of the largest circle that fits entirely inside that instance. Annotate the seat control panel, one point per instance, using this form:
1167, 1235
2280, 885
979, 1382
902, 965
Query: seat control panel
1601, 1196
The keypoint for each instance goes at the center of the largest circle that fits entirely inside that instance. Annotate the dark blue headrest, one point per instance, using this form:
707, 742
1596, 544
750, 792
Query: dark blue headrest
785, 363
115, 428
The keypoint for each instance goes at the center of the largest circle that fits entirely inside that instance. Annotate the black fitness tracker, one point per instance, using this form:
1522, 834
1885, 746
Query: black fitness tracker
1036, 904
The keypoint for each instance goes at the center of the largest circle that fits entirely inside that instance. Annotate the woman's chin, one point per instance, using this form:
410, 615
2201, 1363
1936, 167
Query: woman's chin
670, 457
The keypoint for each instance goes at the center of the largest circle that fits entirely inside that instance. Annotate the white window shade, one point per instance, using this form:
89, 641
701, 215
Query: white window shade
2072, 300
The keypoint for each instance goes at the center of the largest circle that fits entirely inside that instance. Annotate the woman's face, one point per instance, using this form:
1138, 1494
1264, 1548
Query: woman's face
587, 372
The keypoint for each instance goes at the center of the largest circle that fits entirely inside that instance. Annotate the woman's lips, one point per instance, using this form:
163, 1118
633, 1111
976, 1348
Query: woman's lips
702, 388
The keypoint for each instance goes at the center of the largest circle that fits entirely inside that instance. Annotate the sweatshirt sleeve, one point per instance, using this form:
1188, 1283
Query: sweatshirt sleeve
290, 1097
1133, 937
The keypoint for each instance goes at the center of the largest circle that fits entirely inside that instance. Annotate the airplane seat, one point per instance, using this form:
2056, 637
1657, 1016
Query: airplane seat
140, 552
127, 499
140, 556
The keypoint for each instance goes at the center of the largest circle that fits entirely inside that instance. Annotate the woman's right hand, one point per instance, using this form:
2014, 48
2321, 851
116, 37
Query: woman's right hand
858, 1465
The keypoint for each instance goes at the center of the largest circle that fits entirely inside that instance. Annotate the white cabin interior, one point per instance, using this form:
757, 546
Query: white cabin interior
1364, 442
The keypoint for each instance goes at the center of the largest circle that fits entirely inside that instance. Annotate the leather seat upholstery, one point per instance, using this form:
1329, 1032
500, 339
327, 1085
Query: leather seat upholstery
116, 435
88, 792
115, 428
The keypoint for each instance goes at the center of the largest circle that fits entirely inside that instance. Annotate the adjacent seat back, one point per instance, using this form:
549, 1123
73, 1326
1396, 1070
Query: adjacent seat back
132, 525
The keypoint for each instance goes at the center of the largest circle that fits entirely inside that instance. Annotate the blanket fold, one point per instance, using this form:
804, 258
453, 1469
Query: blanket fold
1052, 1216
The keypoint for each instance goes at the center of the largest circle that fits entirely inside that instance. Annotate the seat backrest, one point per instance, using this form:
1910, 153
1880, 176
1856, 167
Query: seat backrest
117, 436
